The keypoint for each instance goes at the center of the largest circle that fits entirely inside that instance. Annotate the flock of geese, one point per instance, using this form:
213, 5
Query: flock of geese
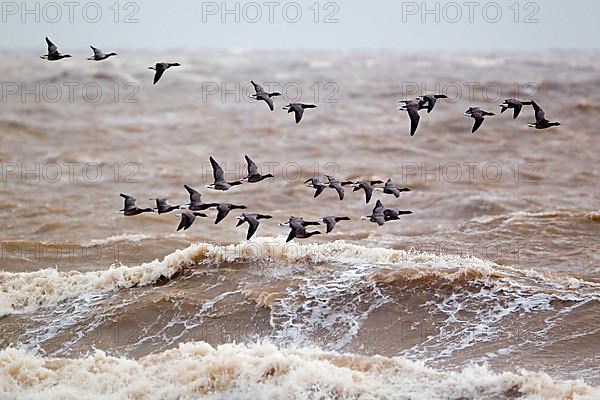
190, 211
380, 214
428, 102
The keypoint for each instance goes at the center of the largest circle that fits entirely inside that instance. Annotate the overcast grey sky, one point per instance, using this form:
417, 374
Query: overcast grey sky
322, 24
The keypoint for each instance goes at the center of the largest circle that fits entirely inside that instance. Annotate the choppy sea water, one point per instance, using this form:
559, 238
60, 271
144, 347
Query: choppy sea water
489, 290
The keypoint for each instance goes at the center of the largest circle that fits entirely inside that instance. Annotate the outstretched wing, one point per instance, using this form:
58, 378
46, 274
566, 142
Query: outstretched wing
368, 192
296, 228
160, 70
182, 223
477, 124
129, 201
319, 191
540, 115
252, 168
330, 222
253, 226
52, 49
378, 218
414, 120
431, 104
97, 52
195, 196
218, 173
339, 189
269, 101
378, 208
517, 110
298, 112
257, 88
222, 213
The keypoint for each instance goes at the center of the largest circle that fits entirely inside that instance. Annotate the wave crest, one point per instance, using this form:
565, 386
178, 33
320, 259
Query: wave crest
198, 370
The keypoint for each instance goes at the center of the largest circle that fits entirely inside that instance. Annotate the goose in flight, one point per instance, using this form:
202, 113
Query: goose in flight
391, 188
187, 219
163, 207
253, 221
219, 178
53, 53
478, 115
264, 96
298, 109
253, 175
298, 231
99, 55
160, 69
331, 221
130, 208
196, 203
540, 118
515, 105
429, 100
224, 209
412, 107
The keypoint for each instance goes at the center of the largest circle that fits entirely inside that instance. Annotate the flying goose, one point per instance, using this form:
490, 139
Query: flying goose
53, 53
219, 177
253, 221
298, 109
160, 69
264, 96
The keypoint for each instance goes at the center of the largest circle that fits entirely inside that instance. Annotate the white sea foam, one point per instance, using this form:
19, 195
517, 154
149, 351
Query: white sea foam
263, 371
25, 292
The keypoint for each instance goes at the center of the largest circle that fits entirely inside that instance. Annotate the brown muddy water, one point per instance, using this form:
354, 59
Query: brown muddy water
491, 289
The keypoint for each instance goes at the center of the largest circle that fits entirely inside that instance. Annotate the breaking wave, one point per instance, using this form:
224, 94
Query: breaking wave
198, 370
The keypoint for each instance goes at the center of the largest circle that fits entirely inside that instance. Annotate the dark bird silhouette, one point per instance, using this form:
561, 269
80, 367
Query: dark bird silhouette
429, 100
253, 175
478, 115
390, 188
298, 231
412, 107
264, 96
298, 109
187, 219
316, 183
540, 118
332, 220
130, 208
377, 215
367, 186
160, 69
391, 214
224, 209
53, 53
196, 203
219, 177
299, 220
337, 186
163, 207
514, 104
253, 221
99, 55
